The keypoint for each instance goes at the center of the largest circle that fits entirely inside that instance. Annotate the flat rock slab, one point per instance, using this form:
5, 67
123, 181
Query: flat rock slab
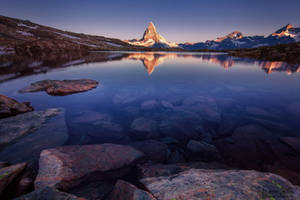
41, 130
126, 191
20, 125
8, 175
10, 107
221, 184
61, 87
48, 193
67, 166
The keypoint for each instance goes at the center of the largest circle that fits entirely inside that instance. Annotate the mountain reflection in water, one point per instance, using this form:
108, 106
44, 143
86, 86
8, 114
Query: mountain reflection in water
14, 68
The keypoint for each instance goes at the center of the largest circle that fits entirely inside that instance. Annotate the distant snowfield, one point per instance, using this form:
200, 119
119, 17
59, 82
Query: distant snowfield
67, 36
24, 25
25, 33
113, 44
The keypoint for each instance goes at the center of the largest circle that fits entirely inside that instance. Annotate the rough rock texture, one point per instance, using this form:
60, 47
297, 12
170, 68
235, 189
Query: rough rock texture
61, 87
221, 184
67, 166
15, 127
204, 150
10, 107
8, 175
48, 193
154, 150
126, 191
154, 170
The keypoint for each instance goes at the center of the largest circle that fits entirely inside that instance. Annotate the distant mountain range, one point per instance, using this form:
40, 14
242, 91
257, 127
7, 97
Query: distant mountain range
234, 40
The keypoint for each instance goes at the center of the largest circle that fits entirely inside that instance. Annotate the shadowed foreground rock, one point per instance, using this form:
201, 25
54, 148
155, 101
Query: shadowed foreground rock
10, 107
15, 127
68, 166
48, 193
8, 175
220, 184
126, 191
61, 87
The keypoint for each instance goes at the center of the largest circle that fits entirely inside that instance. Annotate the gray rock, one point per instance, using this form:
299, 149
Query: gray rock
15, 127
221, 184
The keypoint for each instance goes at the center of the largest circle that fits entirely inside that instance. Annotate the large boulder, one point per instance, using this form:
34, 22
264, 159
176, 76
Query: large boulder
15, 127
221, 184
61, 87
154, 150
48, 193
9, 174
68, 166
10, 107
126, 191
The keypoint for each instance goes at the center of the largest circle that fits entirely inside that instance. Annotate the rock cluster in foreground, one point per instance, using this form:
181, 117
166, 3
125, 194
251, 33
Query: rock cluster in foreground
61, 87
63, 168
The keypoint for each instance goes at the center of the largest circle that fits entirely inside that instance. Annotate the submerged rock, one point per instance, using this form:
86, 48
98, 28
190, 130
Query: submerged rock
154, 150
144, 128
148, 105
61, 87
38, 130
9, 174
10, 107
126, 191
48, 193
206, 151
221, 184
67, 166
293, 142
15, 127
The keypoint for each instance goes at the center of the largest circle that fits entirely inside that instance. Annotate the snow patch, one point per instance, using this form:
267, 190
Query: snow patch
113, 44
35, 64
67, 36
25, 33
24, 25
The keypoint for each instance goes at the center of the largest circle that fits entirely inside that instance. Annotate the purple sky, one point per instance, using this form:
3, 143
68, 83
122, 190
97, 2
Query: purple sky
176, 20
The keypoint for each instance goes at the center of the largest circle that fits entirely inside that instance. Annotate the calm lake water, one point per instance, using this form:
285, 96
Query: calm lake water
249, 109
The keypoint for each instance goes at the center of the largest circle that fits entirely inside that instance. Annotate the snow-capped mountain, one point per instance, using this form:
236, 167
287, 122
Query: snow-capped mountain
152, 39
234, 40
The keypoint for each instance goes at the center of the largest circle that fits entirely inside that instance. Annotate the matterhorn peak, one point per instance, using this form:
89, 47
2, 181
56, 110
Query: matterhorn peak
151, 38
151, 33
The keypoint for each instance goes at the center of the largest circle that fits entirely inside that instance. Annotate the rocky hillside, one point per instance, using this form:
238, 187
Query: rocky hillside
25, 38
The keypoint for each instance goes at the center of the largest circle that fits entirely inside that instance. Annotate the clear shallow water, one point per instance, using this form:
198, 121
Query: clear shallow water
244, 107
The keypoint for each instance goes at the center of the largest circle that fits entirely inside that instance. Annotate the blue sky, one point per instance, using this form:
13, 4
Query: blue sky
176, 20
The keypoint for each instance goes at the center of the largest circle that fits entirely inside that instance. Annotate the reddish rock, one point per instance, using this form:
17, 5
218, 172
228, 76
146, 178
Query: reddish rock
61, 87
48, 193
9, 174
126, 191
68, 166
154, 150
221, 184
10, 107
